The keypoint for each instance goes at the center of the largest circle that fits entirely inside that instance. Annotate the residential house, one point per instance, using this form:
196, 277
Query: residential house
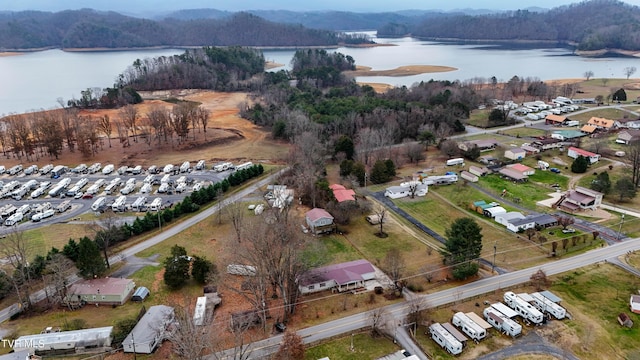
465, 175
574, 152
319, 221
482, 144
405, 189
503, 219
106, 291
513, 175
150, 330
544, 220
547, 144
627, 124
628, 136
342, 194
634, 304
523, 169
555, 120
567, 135
338, 277
478, 171
588, 129
516, 225
601, 124
530, 150
580, 198
515, 153
488, 160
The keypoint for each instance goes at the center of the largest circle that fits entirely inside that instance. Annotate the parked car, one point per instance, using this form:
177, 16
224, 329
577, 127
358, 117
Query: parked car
555, 170
79, 195
87, 196
568, 231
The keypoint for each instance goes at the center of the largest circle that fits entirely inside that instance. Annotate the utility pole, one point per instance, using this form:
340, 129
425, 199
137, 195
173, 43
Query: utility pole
620, 229
495, 249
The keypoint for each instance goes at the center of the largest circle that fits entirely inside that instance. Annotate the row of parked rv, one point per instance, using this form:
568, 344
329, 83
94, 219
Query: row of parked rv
140, 204
12, 215
532, 308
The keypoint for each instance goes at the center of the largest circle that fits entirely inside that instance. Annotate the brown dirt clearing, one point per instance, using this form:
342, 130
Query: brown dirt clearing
399, 71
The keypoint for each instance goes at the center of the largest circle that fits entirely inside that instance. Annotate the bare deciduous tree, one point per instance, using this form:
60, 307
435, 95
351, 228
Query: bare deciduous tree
291, 348
381, 212
57, 272
203, 115
104, 124
629, 70
189, 341
129, 115
378, 321
17, 251
236, 213
394, 265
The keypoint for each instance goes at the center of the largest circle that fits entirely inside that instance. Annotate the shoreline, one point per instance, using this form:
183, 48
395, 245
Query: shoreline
400, 71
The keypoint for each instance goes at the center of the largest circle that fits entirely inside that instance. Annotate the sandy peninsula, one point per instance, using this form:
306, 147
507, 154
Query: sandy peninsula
399, 71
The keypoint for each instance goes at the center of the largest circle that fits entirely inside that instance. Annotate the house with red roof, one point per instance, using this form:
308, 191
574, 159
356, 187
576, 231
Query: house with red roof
338, 277
574, 152
523, 169
342, 194
319, 221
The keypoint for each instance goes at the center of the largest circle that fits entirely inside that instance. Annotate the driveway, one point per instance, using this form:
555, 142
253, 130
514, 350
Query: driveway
532, 343
132, 264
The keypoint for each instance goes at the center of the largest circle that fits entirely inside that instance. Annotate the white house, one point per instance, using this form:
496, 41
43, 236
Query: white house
515, 153
516, 225
405, 189
338, 277
503, 219
574, 152
634, 304
149, 331
319, 221
627, 123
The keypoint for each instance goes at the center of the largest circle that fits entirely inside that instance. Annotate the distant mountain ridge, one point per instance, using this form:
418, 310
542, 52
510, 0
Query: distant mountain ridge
93, 29
596, 26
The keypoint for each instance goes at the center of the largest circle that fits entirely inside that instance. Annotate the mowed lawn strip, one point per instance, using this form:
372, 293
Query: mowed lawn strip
365, 347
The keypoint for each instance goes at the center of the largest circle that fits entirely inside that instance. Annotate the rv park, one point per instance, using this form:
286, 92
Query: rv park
519, 191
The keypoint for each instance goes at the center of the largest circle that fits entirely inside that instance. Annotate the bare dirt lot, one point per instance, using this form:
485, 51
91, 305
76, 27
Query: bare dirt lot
228, 137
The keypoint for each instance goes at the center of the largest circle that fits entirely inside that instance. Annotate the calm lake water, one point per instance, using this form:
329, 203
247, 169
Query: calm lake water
35, 81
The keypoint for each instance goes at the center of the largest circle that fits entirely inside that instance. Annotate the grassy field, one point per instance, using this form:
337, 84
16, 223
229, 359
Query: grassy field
365, 347
529, 192
603, 113
523, 132
593, 295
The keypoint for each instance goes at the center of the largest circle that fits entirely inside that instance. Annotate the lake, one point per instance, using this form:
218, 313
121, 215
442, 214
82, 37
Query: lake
34, 81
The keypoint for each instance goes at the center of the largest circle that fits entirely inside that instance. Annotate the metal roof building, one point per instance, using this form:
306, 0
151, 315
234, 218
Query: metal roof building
65, 340
149, 331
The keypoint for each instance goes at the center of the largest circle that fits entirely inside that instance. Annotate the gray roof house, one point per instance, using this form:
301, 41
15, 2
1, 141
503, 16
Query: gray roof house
338, 277
149, 331
628, 136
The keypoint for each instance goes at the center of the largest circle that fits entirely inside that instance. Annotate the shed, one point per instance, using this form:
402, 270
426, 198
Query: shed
478, 171
140, 294
523, 169
492, 212
515, 153
453, 331
625, 320
634, 304
468, 176
319, 221
150, 330
513, 175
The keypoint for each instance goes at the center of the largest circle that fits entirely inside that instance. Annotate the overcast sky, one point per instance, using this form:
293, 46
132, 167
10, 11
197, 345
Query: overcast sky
136, 6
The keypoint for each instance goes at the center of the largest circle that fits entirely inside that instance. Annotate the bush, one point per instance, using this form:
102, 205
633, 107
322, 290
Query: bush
75, 324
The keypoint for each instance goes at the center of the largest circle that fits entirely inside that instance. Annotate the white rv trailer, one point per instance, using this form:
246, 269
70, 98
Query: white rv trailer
244, 166
46, 169
64, 206
182, 179
164, 187
100, 202
43, 207
223, 166
110, 188
156, 204
200, 311
119, 204
165, 179
168, 169
440, 179
128, 189
122, 170
200, 165
139, 203
146, 188
31, 170
94, 168
137, 170
108, 169
149, 179
456, 161
15, 170
502, 322
524, 309
14, 219
185, 167
82, 182
8, 210
545, 305
24, 209
443, 338
468, 326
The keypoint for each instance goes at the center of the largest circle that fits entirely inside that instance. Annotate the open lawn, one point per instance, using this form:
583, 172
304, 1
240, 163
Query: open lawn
524, 132
365, 347
603, 113
526, 193
42, 239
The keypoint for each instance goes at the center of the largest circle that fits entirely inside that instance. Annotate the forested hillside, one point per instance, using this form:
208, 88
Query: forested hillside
92, 29
591, 25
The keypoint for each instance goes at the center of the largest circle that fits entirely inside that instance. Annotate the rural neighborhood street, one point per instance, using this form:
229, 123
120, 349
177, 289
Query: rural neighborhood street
399, 311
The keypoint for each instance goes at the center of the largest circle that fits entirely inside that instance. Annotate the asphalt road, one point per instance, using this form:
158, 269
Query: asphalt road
349, 324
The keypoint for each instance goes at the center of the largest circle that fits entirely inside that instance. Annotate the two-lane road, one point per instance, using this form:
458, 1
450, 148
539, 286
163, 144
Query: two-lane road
262, 349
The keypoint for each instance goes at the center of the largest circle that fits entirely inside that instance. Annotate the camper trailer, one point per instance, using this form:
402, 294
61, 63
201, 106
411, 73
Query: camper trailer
128, 189
443, 338
93, 189
168, 169
223, 166
43, 215
58, 171
122, 170
523, 308
46, 169
200, 165
14, 219
99, 203
152, 169
199, 315
64, 206
119, 204
468, 326
139, 204
137, 170
15, 170
547, 306
156, 204
108, 169
502, 322
244, 166
94, 168
8, 210
31, 170
24, 209
43, 207
165, 179
456, 161
164, 187
80, 169
185, 167
146, 188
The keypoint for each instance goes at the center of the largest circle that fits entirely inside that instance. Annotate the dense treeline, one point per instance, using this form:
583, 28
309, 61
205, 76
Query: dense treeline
93, 29
215, 68
591, 25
